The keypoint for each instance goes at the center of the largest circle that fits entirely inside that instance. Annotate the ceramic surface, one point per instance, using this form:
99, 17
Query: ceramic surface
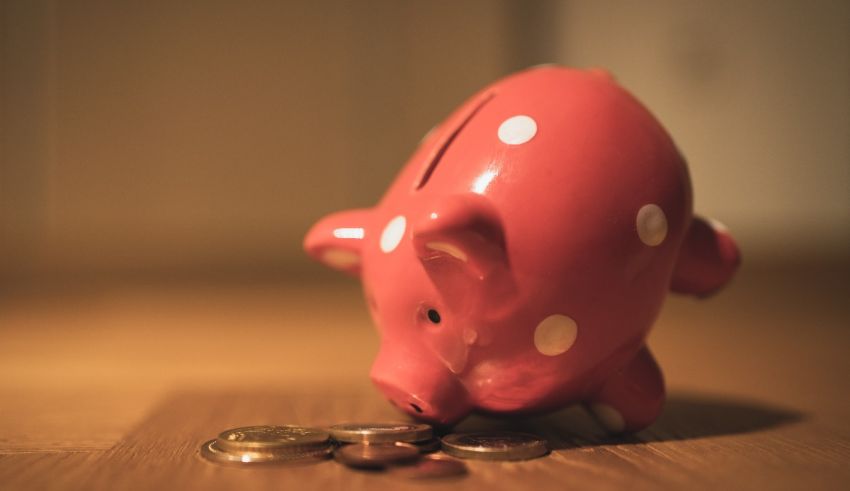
518, 261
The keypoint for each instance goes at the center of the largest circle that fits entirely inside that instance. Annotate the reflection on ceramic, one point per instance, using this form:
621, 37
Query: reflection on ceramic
519, 260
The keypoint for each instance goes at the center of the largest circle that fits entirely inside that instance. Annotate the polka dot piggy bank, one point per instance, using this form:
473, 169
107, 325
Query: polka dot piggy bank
521, 256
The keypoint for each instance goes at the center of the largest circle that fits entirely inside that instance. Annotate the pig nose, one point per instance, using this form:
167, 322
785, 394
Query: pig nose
430, 394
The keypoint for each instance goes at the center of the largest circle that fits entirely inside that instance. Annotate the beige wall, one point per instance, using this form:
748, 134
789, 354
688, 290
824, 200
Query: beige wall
190, 135
206, 136
757, 97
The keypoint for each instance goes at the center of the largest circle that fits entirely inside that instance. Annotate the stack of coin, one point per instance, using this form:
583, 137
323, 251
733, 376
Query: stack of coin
495, 446
268, 444
376, 455
420, 434
379, 445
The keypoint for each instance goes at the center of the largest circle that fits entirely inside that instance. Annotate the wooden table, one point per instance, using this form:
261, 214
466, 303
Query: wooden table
115, 387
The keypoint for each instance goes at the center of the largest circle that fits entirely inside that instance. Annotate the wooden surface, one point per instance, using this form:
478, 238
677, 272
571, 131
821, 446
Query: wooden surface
108, 387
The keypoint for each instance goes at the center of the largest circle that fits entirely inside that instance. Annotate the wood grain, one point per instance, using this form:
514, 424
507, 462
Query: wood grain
701, 442
117, 388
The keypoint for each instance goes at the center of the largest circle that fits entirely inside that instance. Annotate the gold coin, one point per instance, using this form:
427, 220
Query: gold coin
432, 467
495, 446
381, 432
272, 438
211, 451
376, 455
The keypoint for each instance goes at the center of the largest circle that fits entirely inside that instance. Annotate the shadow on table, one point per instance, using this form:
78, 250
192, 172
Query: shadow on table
686, 416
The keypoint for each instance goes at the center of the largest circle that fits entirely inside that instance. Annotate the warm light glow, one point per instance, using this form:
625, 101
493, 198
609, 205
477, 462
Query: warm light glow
246, 458
349, 233
482, 181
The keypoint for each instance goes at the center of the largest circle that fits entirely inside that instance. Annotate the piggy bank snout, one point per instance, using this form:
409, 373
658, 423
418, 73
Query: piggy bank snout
431, 394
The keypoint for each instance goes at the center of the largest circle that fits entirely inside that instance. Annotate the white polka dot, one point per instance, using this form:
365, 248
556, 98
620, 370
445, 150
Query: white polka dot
555, 334
449, 249
393, 233
340, 258
517, 130
651, 225
609, 417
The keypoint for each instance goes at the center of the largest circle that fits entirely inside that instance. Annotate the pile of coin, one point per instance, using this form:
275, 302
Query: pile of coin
399, 447
405, 449
495, 446
268, 444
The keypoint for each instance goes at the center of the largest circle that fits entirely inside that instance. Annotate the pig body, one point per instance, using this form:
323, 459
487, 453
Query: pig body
518, 261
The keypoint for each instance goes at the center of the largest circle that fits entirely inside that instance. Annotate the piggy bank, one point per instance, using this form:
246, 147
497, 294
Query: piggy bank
519, 259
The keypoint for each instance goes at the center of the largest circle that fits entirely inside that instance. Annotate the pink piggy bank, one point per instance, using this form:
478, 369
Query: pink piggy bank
519, 260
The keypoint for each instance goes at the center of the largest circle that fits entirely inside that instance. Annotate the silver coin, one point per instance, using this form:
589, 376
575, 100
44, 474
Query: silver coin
376, 455
272, 438
381, 432
211, 451
432, 467
495, 446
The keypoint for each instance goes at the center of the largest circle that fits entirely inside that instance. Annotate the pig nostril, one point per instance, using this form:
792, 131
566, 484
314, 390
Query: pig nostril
416, 408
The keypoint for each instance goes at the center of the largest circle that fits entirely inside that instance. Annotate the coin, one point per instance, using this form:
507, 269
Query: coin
381, 432
494, 446
272, 438
431, 467
376, 455
211, 451
428, 446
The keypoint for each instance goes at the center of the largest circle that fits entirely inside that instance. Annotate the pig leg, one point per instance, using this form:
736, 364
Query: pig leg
632, 398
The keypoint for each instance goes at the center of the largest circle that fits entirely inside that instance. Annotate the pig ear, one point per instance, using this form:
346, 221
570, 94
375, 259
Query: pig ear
461, 244
337, 240
707, 260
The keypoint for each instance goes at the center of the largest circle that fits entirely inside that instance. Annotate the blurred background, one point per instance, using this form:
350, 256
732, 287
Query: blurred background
161, 161
201, 139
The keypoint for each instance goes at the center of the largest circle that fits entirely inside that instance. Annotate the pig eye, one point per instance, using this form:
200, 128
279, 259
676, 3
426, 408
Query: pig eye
433, 316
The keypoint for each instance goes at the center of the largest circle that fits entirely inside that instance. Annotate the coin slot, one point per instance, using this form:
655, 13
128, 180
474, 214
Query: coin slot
416, 408
438, 155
